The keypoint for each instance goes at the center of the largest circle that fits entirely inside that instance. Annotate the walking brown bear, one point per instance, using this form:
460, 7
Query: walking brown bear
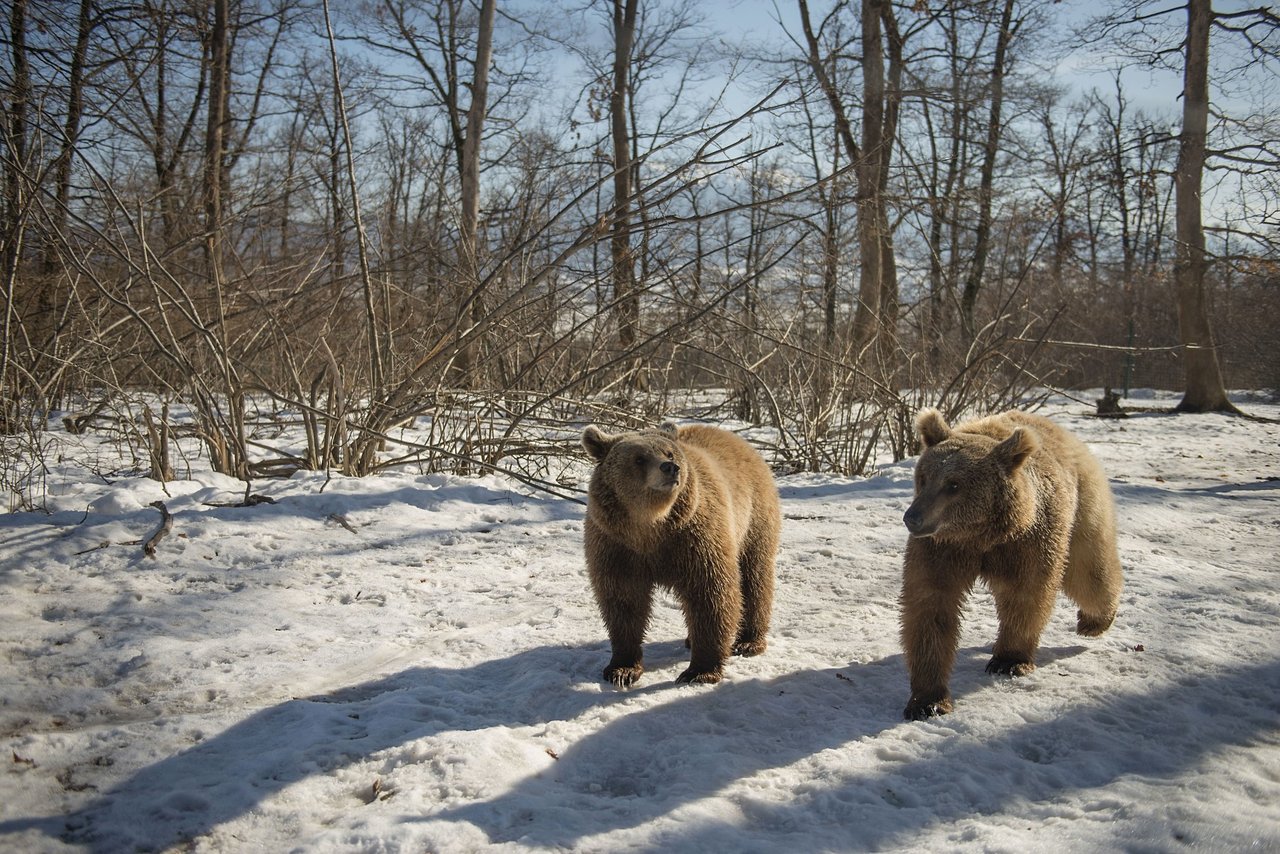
693, 509
1019, 502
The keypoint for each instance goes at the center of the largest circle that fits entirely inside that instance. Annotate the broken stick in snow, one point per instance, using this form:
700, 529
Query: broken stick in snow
166, 524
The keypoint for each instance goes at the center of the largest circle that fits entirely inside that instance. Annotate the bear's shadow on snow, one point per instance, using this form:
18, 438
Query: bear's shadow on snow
1166, 733
636, 768
648, 762
186, 795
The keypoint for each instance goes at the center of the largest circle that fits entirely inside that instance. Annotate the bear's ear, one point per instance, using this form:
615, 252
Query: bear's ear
597, 443
670, 428
932, 427
1013, 452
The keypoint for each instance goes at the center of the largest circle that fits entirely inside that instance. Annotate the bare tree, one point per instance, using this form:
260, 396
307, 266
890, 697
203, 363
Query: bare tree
441, 38
626, 298
1126, 208
830, 190
469, 160
1205, 391
937, 150
991, 150
875, 316
14, 213
86, 21
356, 238
1187, 48
1060, 154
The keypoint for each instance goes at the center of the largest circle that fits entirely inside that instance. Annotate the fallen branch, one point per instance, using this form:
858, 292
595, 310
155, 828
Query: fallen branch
250, 501
339, 519
166, 525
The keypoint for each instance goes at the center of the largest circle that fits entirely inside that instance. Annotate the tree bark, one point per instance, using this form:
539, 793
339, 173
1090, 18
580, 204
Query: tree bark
49, 329
626, 299
215, 141
70, 135
982, 239
469, 168
15, 202
225, 437
876, 312
1205, 391
887, 315
872, 224
13, 211
830, 257
475, 128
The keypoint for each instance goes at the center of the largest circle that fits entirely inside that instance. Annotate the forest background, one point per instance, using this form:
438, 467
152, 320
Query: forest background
451, 232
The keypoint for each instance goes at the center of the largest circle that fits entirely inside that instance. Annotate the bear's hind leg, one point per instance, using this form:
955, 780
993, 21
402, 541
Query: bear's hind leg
1093, 581
1094, 578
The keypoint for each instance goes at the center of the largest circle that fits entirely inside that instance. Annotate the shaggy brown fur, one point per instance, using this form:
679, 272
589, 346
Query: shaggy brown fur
693, 509
1019, 502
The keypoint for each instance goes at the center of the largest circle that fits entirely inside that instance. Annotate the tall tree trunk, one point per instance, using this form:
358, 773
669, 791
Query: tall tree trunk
830, 258
164, 157
225, 430
1205, 391
872, 224
942, 186
887, 315
13, 211
877, 288
626, 299
337, 207
359, 458
70, 135
1120, 178
15, 143
215, 144
49, 329
469, 168
982, 240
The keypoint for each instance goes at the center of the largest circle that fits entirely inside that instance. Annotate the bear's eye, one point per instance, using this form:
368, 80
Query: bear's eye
953, 486
670, 455
639, 459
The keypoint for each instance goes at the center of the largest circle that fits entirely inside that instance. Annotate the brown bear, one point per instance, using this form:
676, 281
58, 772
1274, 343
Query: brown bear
695, 510
1019, 502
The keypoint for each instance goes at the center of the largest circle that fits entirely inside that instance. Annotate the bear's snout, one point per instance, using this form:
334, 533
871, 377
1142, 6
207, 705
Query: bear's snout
669, 468
914, 520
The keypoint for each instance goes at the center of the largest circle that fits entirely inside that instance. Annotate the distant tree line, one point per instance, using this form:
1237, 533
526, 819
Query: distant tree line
501, 217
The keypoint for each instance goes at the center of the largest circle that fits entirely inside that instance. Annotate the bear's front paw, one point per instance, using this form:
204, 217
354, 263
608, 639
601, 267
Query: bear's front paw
1010, 666
623, 676
699, 677
919, 709
750, 647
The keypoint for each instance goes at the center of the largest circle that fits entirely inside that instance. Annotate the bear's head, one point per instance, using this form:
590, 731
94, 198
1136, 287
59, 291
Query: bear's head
644, 469
969, 486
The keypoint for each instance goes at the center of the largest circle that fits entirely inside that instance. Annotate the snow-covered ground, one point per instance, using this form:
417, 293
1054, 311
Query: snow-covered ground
411, 663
